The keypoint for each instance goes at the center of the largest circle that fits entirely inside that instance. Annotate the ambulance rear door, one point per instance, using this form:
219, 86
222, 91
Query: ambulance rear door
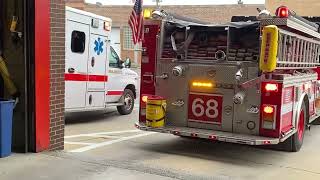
77, 49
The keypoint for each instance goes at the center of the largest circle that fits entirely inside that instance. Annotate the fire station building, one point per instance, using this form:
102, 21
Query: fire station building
32, 45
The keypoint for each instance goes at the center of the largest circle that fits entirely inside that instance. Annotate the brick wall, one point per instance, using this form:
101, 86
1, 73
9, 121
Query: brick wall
57, 14
79, 4
210, 13
128, 53
301, 7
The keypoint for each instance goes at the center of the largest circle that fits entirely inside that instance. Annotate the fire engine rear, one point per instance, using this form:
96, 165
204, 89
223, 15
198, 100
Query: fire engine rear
252, 82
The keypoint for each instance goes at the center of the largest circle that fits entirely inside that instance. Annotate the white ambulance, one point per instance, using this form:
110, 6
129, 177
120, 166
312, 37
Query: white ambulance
95, 77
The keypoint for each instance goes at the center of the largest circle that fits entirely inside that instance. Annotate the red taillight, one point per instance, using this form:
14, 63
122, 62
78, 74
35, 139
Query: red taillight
268, 109
271, 87
283, 12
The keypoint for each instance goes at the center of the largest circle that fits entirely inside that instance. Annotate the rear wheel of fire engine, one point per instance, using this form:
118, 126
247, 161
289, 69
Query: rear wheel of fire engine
128, 103
297, 139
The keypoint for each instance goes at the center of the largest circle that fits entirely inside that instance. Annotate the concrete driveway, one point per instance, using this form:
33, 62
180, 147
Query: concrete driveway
105, 145
110, 138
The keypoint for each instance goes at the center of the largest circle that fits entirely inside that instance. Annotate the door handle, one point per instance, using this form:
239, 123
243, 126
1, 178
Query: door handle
92, 62
71, 70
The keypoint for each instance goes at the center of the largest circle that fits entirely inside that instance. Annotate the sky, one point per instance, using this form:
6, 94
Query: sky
177, 2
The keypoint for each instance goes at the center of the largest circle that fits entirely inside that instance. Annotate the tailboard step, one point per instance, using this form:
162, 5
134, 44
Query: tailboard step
212, 134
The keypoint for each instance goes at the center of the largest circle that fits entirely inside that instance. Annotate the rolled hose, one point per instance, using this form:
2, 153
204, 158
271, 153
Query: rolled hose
8, 82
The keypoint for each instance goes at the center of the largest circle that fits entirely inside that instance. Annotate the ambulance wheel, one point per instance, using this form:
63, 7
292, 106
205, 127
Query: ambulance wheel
128, 103
295, 142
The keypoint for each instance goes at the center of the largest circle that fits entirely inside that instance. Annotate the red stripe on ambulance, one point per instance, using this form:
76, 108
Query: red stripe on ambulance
98, 78
115, 93
84, 77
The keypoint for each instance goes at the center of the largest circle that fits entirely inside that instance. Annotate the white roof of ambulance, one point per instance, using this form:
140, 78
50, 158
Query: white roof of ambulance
85, 13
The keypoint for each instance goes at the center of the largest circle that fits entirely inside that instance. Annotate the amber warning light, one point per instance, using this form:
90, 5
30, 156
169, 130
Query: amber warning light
147, 13
144, 99
268, 116
202, 84
268, 109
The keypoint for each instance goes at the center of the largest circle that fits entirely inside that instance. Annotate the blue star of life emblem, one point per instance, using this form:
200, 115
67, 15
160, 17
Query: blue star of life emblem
98, 46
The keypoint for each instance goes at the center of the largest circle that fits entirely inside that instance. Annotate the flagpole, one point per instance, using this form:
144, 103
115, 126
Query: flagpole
157, 4
137, 44
136, 53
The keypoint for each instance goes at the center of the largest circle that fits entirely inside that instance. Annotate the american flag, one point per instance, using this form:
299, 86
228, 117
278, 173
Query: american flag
136, 22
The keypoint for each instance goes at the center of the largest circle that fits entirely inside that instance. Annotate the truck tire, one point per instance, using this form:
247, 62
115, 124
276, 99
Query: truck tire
294, 143
128, 103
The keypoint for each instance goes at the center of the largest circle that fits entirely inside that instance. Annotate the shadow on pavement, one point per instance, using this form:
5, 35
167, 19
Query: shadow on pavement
85, 117
217, 151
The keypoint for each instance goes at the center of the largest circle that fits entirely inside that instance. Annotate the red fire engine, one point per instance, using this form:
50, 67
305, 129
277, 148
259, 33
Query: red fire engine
253, 82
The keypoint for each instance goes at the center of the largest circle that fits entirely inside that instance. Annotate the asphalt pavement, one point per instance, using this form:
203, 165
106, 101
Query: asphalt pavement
105, 145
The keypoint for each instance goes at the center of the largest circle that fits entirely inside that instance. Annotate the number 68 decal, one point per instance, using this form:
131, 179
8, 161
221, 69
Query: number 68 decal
205, 108
211, 108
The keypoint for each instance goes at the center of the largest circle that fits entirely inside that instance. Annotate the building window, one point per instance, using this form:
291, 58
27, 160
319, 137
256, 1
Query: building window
78, 41
127, 39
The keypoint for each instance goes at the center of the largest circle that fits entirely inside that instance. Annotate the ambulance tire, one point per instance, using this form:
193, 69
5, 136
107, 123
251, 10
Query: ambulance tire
294, 143
129, 103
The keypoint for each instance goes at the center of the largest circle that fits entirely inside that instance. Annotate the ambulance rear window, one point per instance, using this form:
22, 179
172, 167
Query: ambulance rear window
78, 41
